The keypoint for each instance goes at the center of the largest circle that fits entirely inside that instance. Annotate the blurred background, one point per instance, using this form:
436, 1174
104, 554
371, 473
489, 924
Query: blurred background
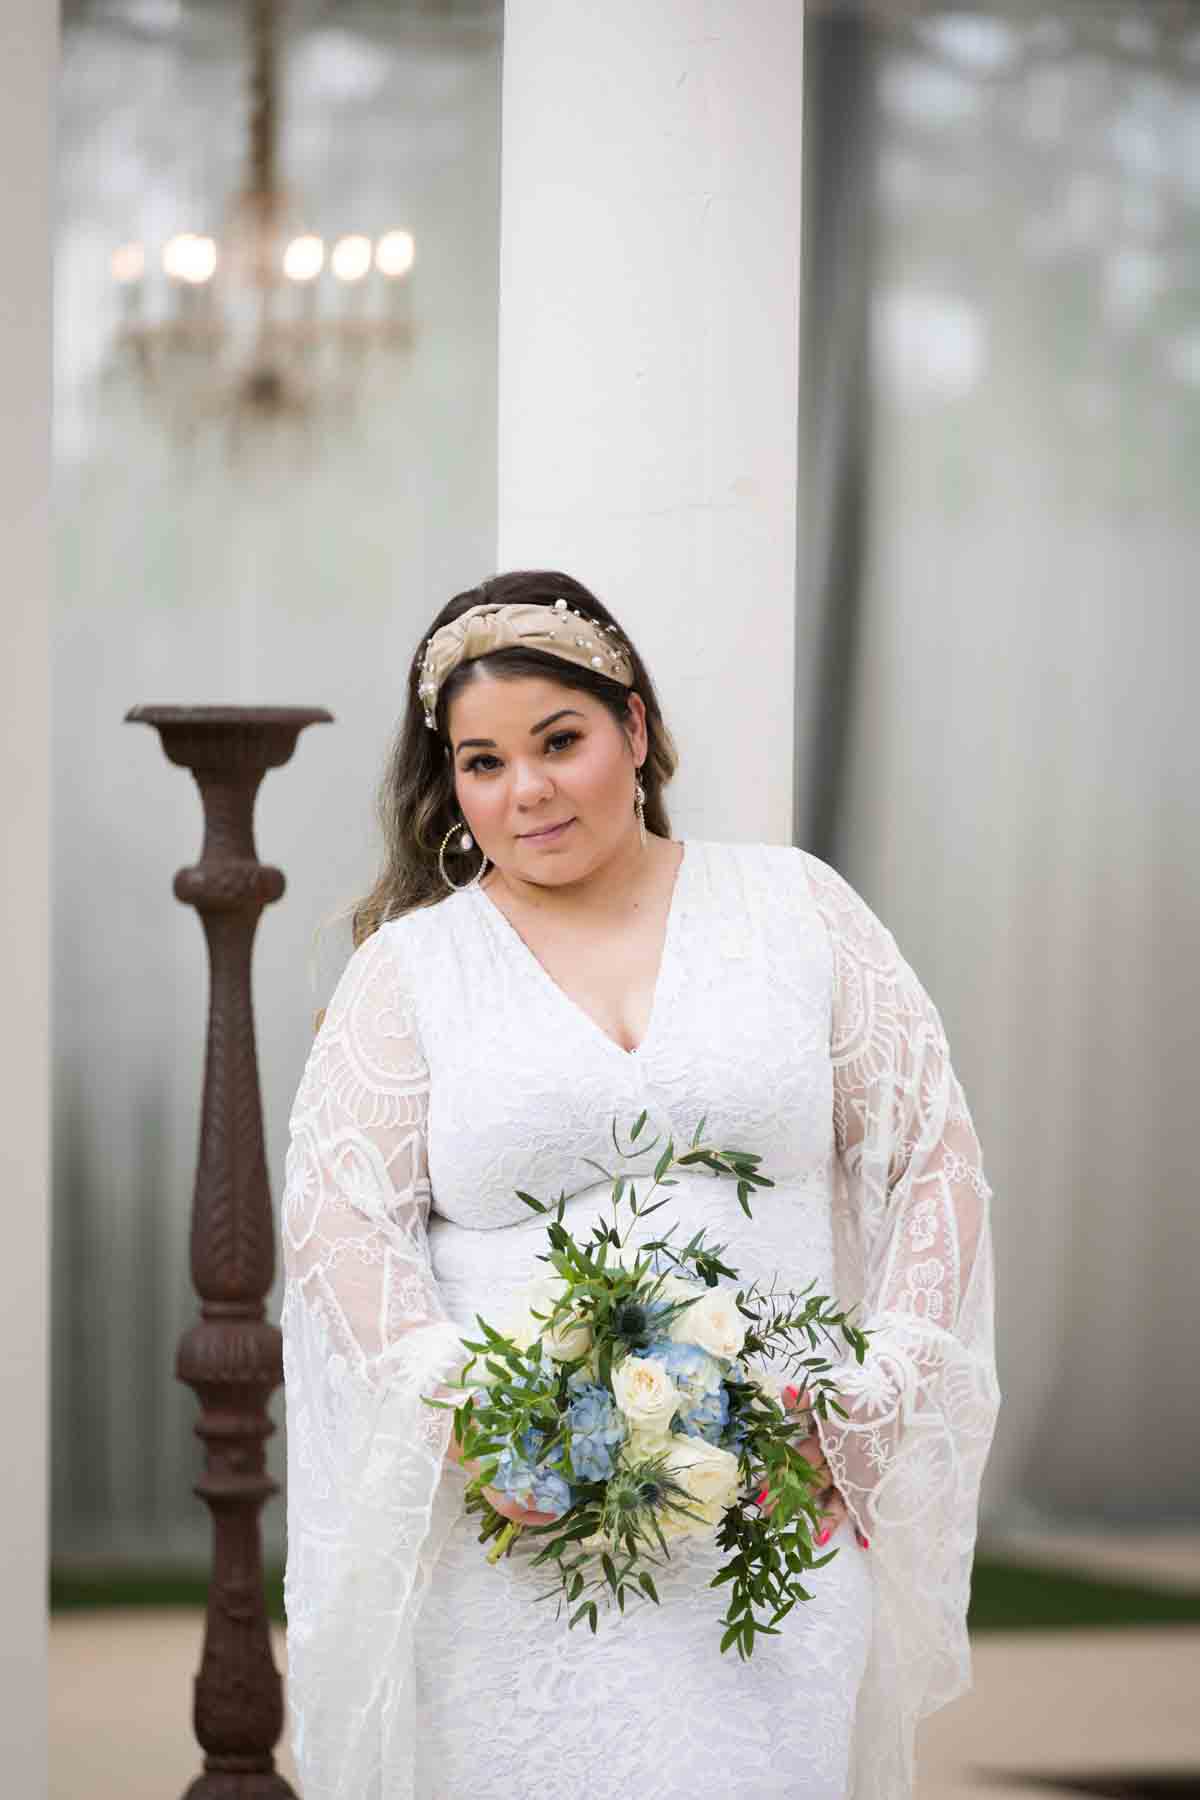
996, 632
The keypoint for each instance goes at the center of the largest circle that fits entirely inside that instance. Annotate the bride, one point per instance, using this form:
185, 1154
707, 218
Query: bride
540, 958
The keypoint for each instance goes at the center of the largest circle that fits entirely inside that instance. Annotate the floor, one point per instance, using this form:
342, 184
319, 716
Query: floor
1050, 1712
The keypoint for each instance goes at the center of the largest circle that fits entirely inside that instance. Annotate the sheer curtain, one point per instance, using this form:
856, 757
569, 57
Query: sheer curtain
300, 569
1013, 760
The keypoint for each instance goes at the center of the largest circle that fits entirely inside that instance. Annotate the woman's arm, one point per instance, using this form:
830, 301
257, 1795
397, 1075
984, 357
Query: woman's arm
366, 1337
914, 1205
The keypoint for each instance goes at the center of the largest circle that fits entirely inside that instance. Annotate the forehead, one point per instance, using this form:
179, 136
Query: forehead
491, 707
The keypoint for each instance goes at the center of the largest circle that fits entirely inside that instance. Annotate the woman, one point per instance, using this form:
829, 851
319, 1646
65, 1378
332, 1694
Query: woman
539, 958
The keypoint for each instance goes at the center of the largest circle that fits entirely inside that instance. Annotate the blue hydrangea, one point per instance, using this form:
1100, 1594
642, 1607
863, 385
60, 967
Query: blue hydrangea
531, 1483
596, 1429
707, 1418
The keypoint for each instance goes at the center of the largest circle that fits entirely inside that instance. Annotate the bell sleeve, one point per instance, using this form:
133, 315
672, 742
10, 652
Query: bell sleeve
913, 1249
365, 1336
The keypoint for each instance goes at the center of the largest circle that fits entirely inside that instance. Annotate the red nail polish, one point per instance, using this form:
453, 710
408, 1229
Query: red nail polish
866, 1543
822, 1537
790, 1396
759, 1498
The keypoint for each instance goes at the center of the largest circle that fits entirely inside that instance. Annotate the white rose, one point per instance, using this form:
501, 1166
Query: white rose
714, 1323
645, 1441
645, 1393
709, 1476
569, 1339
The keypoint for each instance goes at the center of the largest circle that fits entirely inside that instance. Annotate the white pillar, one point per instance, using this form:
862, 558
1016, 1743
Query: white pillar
28, 46
649, 342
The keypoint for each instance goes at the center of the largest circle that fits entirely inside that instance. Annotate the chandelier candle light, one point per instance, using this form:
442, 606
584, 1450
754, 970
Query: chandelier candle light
264, 320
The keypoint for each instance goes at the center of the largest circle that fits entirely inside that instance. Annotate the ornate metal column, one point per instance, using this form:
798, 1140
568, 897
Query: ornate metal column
232, 1356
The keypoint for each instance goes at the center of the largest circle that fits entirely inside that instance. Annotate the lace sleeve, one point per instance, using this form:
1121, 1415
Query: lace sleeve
365, 1336
914, 1202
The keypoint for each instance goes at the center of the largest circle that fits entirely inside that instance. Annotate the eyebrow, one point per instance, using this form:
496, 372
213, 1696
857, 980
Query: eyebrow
567, 712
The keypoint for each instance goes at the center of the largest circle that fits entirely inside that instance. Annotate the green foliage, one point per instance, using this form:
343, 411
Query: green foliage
604, 1545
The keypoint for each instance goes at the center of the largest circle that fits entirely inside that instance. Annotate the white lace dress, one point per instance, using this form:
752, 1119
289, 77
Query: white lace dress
450, 1070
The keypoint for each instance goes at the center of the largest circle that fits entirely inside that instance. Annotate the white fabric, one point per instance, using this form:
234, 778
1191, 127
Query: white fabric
451, 1065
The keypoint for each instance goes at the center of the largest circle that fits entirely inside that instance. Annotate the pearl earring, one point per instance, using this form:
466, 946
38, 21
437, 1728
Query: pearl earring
465, 843
639, 807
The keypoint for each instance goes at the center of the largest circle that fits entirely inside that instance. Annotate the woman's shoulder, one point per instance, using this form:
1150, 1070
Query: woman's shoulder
790, 862
785, 864
788, 878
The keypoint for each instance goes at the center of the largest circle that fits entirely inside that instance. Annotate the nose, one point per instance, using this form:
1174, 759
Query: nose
530, 783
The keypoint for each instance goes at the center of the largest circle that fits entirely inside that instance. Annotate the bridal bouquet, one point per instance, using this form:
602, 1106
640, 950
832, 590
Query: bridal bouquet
626, 1401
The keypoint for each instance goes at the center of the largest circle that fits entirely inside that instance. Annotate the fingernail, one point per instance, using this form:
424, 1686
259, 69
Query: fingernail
759, 1498
823, 1537
790, 1396
864, 1543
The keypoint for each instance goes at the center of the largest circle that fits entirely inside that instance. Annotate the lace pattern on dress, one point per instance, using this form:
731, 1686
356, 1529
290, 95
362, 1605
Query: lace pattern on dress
365, 1336
913, 1246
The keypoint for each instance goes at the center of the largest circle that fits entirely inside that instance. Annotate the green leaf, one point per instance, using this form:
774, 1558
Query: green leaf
581, 1529
530, 1201
610, 1571
647, 1586
592, 1616
730, 1635
665, 1160
637, 1129
699, 1131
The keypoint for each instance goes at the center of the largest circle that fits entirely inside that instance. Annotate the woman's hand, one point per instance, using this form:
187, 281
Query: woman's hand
501, 1503
833, 1506
511, 1509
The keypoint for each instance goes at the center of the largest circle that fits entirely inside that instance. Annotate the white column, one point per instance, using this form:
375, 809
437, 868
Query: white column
27, 56
649, 341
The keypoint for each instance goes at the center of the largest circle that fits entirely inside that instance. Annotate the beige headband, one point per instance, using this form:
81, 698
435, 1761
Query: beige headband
560, 629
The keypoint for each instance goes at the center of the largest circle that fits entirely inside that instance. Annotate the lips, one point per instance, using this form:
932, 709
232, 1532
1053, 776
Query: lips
550, 831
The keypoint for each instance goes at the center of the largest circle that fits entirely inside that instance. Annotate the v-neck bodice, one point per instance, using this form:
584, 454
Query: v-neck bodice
660, 1000
524, 1085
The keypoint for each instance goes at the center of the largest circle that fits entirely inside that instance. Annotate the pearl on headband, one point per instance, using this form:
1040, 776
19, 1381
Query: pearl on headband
499, 625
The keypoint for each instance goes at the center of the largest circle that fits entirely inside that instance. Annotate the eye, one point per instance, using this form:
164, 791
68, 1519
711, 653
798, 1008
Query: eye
557, 741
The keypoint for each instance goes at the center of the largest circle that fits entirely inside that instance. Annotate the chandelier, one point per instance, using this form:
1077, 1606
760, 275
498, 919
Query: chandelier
263, 320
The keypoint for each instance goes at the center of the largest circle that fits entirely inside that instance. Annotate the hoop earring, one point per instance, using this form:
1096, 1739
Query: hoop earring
466, 842
639, 807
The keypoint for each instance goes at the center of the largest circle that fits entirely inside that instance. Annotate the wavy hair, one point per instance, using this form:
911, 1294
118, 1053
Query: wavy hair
417, 804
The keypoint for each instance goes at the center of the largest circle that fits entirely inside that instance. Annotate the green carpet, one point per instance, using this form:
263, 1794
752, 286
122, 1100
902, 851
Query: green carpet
1005, 1597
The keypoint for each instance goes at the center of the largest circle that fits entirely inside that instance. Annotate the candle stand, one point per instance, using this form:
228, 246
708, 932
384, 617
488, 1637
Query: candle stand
232, 1355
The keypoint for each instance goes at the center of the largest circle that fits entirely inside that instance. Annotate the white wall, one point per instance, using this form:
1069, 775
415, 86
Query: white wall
649, 341
27, 55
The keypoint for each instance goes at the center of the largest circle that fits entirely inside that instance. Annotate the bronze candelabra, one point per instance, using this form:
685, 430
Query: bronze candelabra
232, 1356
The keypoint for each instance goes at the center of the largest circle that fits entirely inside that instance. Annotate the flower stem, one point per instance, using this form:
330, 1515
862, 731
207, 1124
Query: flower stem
509, 1535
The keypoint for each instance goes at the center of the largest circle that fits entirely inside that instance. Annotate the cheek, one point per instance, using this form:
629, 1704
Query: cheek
477, 801
598, 775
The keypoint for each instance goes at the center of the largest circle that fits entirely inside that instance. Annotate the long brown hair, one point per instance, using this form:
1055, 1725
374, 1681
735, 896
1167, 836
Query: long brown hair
417, 804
